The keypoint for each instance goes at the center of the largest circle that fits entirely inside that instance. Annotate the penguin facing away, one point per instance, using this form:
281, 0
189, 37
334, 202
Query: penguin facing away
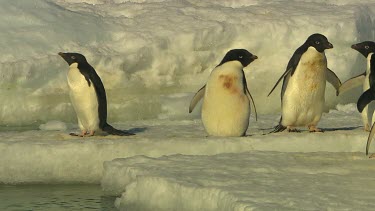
367, 49
304, 82
88, 97
226, 97
368, 96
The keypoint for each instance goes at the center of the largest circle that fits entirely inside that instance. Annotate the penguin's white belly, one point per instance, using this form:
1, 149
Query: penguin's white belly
225, 110
303, 100
366, 83
84, 100
368, 111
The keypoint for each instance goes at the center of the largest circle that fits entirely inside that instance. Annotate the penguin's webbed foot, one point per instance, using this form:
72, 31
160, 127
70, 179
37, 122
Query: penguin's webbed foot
76, 134
82, 134
87, 134
90, 134
314, 129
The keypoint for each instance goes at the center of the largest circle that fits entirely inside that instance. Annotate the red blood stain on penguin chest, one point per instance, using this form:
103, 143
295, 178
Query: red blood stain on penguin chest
228, 83
313, 86
313, 74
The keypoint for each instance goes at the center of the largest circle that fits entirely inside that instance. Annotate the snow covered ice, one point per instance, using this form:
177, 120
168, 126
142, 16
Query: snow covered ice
332, 162
245, 181
53, 125
152, 57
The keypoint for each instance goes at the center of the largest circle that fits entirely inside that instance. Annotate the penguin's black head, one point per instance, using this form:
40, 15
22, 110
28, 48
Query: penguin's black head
71, 58
241, 55
319, 42
365, 48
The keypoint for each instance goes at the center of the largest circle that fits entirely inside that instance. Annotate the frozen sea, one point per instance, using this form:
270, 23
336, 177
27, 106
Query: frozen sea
152, 56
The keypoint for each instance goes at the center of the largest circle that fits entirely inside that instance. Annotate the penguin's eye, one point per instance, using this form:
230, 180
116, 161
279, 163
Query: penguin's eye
240, 57
317, 42
367, 47
73, 57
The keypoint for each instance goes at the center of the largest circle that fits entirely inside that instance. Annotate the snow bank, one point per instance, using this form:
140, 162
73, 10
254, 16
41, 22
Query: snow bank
153, 55
245, 181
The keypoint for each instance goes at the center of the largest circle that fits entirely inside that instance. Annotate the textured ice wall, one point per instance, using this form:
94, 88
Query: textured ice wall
153, 55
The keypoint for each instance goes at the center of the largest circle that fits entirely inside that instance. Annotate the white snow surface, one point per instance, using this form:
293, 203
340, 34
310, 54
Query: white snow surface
154, 55
173, 165
43, 156
246, 181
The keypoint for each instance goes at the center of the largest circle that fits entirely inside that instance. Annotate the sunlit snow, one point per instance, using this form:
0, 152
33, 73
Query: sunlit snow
152, 56
246, 181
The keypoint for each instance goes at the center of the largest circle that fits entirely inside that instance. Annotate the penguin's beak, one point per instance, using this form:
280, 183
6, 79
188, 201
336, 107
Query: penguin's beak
254, 57
63, 55
329, 46
355, 47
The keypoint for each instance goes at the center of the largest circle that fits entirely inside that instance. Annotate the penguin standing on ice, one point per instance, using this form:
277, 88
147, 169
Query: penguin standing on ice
304, 83
369, 94
367, 49
226, 98
88, 97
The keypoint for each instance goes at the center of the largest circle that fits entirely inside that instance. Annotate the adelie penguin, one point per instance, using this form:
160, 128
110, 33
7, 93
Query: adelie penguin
226, 98
88, 97
304, 83
367, 49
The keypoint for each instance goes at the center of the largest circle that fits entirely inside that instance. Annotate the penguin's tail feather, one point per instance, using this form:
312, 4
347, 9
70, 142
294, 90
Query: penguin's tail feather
278, 128
113, 131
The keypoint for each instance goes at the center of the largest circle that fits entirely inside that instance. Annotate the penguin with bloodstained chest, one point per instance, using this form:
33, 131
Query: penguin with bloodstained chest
367, 49
88, 97
304, 83
226, 98
368, 95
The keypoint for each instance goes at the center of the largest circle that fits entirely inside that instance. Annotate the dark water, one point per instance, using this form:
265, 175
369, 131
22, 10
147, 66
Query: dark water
54, 198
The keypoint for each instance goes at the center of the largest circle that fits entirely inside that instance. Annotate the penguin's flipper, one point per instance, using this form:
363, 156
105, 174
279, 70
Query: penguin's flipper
198, 96
252, 102
247, 92
291, 67
369, 139
365, 99
334, 80
285, 85
352, 83
278, 81
100, 93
